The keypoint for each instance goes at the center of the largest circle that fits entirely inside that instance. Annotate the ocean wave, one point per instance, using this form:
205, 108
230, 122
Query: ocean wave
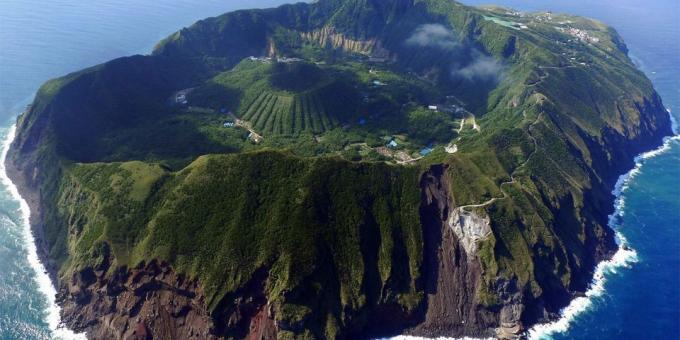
409, 337
623, 258
59, 331
674, 122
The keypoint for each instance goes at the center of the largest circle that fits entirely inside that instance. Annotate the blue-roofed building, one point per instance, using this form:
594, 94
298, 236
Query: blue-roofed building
362, 121
425, 151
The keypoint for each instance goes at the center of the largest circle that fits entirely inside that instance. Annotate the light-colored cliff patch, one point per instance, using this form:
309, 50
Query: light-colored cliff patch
329, 37
469, 228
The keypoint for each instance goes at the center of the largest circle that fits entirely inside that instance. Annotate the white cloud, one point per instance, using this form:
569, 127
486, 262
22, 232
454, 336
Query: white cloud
482, 67
433, 35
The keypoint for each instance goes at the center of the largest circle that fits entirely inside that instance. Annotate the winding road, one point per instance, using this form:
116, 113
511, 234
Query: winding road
512, 175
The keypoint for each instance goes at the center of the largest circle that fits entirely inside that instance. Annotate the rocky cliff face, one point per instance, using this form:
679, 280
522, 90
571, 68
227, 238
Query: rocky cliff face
452, 272
153, 301
328, 37
284, 246
150, 301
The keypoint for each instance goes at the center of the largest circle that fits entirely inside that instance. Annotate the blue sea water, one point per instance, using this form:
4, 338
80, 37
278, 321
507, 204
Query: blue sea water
39, 40
638, 294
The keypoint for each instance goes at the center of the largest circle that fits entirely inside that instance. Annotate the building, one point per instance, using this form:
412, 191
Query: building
425, 151
255, 137
288, 60
392, 144
432, 107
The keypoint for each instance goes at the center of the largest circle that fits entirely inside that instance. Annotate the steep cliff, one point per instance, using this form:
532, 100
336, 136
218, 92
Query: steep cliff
159, 219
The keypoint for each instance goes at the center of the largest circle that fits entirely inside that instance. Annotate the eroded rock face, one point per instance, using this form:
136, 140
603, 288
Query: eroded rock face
328, 37
452, 274
147, 302
469, 228
513, 306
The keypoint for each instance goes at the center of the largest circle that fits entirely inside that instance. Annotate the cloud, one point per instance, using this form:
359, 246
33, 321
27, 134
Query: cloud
482, 67
433, 35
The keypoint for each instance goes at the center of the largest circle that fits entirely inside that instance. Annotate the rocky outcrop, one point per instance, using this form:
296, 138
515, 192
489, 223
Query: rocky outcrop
150, 301
444, 292
246, 314
328, 37
452, 275
469, 228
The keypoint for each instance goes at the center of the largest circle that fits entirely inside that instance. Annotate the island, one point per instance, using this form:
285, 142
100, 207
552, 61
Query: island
341, 169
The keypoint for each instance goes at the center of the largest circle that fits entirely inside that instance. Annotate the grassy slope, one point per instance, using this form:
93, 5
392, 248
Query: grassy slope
222, 217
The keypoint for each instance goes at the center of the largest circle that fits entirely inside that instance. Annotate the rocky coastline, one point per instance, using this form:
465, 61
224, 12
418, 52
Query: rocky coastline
450, 288
152, 301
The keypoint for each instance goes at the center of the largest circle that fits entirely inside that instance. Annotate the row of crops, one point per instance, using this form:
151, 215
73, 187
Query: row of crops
272, 113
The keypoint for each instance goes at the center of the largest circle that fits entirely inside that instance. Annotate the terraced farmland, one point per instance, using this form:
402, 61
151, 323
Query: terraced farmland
289, 114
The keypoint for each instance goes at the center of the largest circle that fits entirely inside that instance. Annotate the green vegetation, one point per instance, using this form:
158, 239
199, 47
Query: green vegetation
532, 122
223, 217
427, 125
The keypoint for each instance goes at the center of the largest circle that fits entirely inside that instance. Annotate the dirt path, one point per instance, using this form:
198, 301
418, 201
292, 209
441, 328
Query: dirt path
545, 76
246, 125
453, 147
512, 175
409, 161
460, 128
474, 123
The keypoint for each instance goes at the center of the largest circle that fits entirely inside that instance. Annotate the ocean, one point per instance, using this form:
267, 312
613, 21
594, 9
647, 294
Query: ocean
635, 296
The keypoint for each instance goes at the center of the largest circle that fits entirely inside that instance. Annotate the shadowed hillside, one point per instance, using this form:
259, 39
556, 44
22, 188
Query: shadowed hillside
341, 169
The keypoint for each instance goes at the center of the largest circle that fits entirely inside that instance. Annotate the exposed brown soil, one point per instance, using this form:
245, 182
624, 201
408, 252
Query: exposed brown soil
452, 279
147, 302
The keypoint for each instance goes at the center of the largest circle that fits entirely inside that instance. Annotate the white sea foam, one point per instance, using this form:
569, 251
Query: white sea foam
674, 122
59, 331
408, 337
623, 258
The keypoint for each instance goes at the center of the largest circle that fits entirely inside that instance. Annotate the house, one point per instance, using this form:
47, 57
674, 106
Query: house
392, 144
425, 151
288, 60
228, 124
432, 107
255, 137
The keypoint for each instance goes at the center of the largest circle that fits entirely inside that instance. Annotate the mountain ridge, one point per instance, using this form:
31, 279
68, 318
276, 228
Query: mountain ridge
513, 232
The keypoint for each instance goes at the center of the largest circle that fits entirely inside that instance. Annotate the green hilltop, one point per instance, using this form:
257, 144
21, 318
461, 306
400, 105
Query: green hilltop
296, 141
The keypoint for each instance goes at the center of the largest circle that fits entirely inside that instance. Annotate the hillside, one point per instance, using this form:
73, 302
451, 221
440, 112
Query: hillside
340, 169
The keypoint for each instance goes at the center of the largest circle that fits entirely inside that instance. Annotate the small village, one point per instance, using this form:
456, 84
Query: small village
397, 148
579, 34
